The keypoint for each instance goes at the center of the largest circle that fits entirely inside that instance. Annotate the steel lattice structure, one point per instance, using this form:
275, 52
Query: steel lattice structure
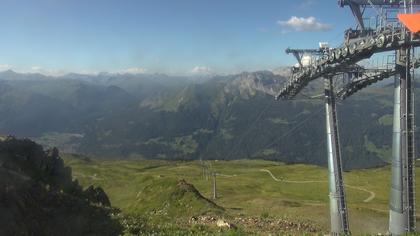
360, 44
337, 60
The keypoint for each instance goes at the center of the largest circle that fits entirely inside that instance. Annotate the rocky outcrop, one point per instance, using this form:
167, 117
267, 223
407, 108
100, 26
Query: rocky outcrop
97, 195
39, 197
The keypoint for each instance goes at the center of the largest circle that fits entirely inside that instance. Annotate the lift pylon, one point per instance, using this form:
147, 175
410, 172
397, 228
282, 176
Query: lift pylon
402, 195
338, 208
387, 36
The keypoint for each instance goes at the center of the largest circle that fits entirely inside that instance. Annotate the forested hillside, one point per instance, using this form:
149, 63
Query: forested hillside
221, 117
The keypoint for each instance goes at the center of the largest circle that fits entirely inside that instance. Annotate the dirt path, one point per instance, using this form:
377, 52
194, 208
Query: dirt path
292, 181
227, 176
372, 194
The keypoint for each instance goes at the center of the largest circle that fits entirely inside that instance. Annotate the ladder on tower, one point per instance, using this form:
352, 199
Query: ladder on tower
410, 155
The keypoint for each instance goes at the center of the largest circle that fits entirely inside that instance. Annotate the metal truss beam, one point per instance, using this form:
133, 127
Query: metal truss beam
335, 60
343, 3
363, 80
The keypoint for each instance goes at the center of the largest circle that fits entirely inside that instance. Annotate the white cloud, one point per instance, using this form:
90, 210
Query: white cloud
201, 70
48, 72
302, 24
87, 72
134, 70
4, 67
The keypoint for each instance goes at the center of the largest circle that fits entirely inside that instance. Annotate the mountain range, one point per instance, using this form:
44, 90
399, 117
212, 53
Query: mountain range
152, 116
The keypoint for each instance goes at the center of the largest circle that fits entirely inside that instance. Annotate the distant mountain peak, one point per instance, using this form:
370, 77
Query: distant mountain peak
13, 75
9, 71
263, 81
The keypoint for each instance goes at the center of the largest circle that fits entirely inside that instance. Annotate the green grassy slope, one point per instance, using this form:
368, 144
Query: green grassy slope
245, 189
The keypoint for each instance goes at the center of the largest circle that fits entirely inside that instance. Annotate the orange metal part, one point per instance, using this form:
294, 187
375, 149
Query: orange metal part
411, 21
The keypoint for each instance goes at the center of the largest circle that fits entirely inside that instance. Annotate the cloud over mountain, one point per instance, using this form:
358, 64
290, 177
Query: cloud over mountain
134, 70
4, 67
201, 70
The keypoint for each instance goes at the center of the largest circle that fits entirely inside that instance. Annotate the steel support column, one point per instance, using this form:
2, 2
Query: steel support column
402, 196
338, 208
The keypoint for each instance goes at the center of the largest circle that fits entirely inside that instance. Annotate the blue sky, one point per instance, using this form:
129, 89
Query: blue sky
163, 36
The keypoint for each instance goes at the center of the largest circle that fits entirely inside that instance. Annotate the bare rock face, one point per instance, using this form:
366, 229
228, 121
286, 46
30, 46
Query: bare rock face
27, 158
248, 84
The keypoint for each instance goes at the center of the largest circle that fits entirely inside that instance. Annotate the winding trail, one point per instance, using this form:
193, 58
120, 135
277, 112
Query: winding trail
227, 176
372, 194
291, 181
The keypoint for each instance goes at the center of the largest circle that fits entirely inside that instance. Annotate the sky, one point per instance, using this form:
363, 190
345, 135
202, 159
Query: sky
163, 36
